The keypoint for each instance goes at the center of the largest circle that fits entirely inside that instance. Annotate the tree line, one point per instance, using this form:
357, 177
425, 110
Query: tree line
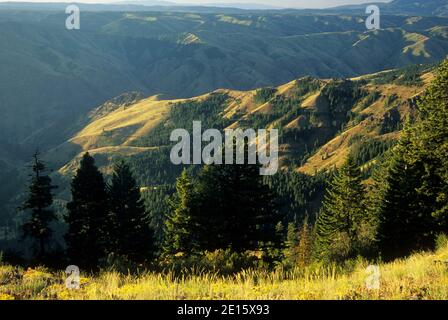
401, 208
103, 219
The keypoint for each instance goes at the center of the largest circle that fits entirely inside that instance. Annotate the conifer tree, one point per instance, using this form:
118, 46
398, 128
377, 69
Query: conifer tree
343, 211
129, 232
178, 225
39, 200
404, 223
413, 201
292, 240
235, 209
305, 244
430, 145
87, 217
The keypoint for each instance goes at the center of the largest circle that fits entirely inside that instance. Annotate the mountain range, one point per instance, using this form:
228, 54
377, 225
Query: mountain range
320, 121
132, 73
394, 7
51, 75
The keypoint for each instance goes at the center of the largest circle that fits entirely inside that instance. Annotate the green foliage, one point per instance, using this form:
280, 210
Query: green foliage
430, 145
39, 200
157, 200
129, 232
219, 262
405, 224
88, 216
390, 100
298, 195
228, 206
342, 94
366, 149
412, 193
408, 76
307, 85
234, 208
182, 114
441, 241
342, 223
391, 122
299, 246
264, 95
178, 224
370, 99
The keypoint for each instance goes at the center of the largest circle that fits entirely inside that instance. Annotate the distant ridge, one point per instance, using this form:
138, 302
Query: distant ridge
396, 7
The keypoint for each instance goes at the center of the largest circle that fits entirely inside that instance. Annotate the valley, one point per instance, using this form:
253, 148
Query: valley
107, 133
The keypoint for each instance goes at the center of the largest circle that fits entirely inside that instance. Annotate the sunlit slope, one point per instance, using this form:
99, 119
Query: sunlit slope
317, 126
334, 152
110, 128
49, 76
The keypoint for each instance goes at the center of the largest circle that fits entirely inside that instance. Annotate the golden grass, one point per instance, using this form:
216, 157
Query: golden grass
419, 277
334, 152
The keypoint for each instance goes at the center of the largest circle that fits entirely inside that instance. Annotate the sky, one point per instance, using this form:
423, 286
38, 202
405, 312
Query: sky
276, 3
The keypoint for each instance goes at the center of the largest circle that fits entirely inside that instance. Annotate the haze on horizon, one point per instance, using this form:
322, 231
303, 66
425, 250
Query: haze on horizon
274, 3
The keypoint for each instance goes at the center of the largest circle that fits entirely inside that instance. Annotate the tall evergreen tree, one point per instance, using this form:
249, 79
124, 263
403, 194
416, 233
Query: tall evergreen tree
129, 231
299, 245
413, 199
343, 211
291, 243
87, 217
235, 209
429, 147
404, 223
178, 225
305, 245
39, 200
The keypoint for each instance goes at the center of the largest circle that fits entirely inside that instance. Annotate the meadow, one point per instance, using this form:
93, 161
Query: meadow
422, 276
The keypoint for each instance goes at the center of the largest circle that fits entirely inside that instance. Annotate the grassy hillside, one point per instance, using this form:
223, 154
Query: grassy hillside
423, 276
50, 75
320, 121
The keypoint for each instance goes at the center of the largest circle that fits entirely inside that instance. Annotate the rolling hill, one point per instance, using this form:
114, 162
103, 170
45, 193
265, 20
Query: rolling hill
320, 121
50, 76
52, 80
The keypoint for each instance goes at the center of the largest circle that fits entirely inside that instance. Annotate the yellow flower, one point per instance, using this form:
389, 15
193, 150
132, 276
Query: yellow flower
4, 296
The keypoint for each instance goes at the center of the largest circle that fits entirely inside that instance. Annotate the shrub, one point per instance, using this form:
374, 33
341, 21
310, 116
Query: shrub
264, 94
441, 241
222, 262
119, 263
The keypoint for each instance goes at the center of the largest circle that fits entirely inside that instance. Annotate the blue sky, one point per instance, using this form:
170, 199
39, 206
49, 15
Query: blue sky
277, 3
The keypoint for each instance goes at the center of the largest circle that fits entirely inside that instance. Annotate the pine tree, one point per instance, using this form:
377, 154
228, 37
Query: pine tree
305, 244
292, 241
178, 225
235, 209
429, 141
87, 217
39, 201
404, 224
413, 200
129, 232
342, 213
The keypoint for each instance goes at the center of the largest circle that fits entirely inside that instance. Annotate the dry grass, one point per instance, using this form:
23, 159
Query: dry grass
418, 277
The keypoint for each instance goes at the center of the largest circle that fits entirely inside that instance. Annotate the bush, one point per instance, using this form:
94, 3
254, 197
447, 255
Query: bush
264, 95
441, 241
341, 248
222, 262
119, 263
